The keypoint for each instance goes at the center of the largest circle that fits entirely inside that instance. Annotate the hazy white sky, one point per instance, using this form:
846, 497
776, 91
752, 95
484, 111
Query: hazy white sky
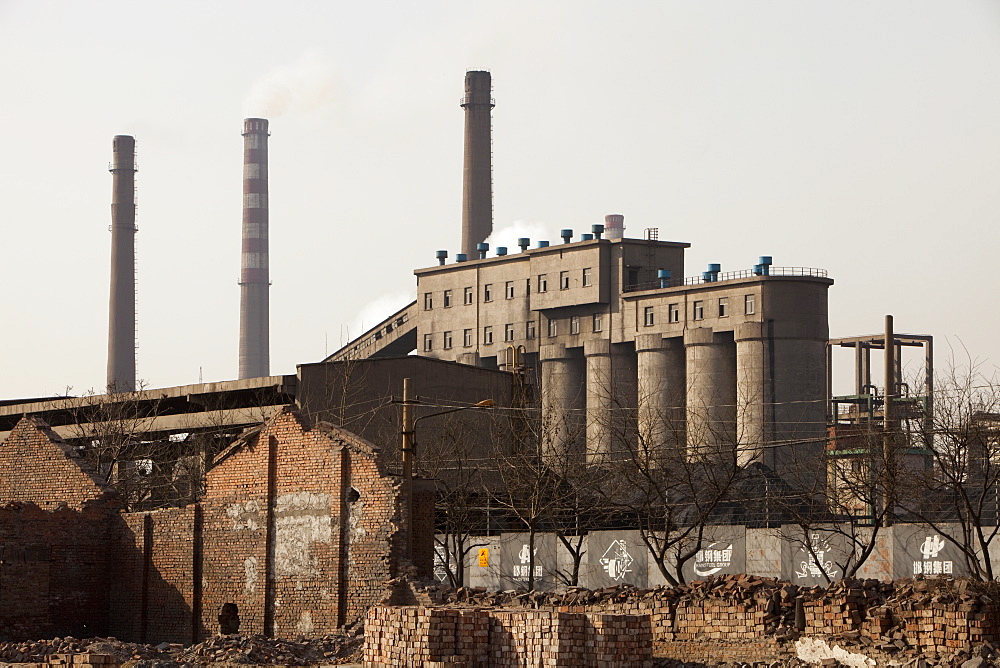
860, 137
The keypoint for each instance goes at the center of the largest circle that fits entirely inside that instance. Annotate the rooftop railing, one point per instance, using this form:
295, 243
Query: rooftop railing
726, 276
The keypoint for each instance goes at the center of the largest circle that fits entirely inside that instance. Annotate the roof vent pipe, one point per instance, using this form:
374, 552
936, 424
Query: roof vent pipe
481, 248
524, 242
712, 275
764, 266
664, 276
543, 244
586, 236
567, 235
501, 251
441, 256
461, 257
598, 230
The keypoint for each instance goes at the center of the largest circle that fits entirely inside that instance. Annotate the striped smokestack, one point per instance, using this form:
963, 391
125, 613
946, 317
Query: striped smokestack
254, 279
121, 307
477, 176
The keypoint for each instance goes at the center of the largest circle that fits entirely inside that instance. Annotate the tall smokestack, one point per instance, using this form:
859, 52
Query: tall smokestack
254, 278
477, 177
121, 307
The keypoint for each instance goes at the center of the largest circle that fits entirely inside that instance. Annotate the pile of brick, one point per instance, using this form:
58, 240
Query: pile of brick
843, 608
412, 636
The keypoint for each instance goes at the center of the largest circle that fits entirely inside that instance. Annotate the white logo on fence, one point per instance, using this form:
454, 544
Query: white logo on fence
816, 564
524, 569
616, 560
930, 549
711, 560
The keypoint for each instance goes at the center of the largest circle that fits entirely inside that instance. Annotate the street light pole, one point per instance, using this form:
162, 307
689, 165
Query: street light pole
409, 425
408, 464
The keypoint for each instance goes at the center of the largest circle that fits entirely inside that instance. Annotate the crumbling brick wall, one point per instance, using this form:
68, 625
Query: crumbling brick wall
302, 529
55, 519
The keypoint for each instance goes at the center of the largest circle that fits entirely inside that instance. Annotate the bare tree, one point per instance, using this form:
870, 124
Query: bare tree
962, 488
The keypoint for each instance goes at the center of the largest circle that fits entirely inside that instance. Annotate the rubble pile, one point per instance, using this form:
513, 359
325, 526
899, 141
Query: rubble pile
42, 651
259, 649
255, 649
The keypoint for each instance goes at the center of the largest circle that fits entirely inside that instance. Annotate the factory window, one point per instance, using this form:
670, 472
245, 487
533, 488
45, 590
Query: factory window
508, 332
447, 298
564, 280
509, 290
428, 342
723, 307
749, 304
468, 295
699, 310
467, 338
648, 316
574, 324
543, 283
553, 327
598, 322
428, 301
633, 277
447, 340
588, 278
488, 292
529, 329
488, 335
673, 313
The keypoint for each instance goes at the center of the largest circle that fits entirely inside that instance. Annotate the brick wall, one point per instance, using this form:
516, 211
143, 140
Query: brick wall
55, 522
301, 528
37, 466
53, 571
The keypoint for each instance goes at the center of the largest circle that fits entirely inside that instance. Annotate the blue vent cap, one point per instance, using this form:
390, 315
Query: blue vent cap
566, 235
501, 251
715, 268
586, 236
663, 273
524, 242
543, 244
441, 254
461, 257
482, 247
597, 229
765, 259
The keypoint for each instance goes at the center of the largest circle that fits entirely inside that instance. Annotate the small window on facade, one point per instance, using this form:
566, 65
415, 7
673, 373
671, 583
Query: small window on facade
508, 332
428, 301
723, 307
428, 342
488, 292
447, 340
468, 296
467, 338
750, 304
574, 324
633, 278
553, 327
509, 290
529, 329
648, 316
598, 322
673, 313
488, 335
564, 280
447, 298
587, 277
699, 310
543, 283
